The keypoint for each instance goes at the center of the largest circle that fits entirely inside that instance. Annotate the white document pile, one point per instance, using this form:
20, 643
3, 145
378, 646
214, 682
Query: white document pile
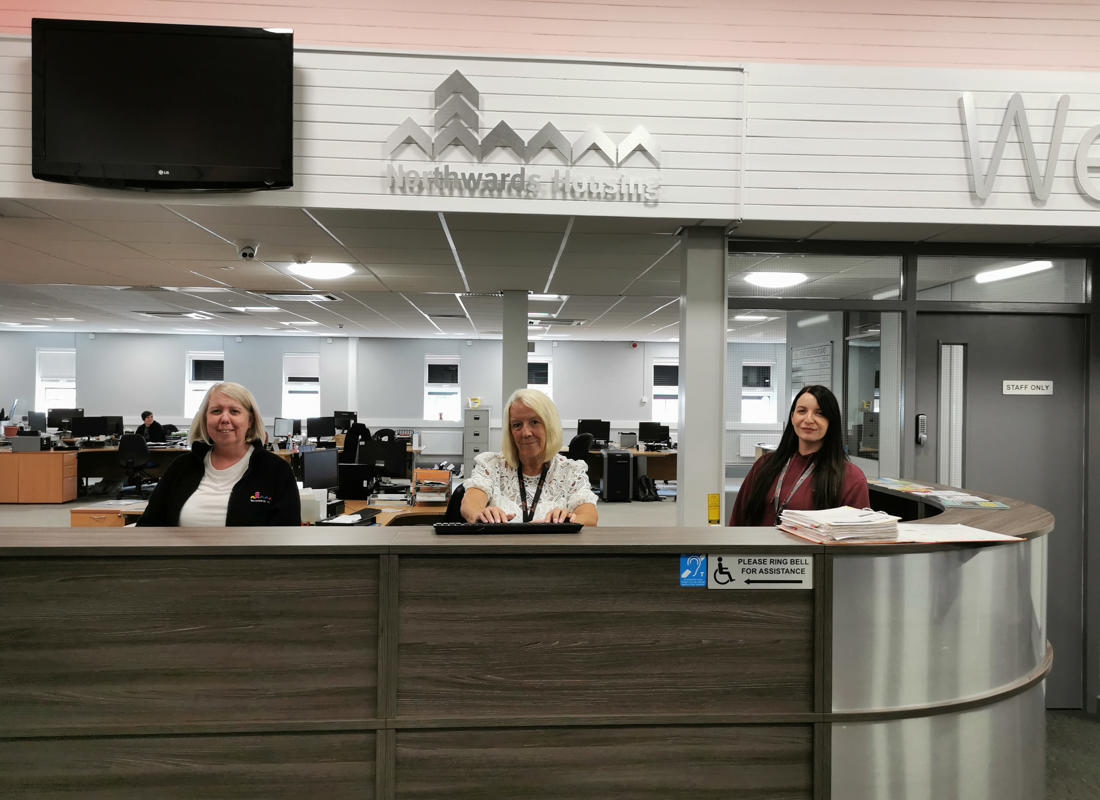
840, 524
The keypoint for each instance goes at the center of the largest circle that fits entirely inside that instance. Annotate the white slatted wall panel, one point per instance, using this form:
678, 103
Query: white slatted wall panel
347, 104
870, 145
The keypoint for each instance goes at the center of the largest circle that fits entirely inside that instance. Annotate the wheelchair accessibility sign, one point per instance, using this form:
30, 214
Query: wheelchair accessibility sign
762, 571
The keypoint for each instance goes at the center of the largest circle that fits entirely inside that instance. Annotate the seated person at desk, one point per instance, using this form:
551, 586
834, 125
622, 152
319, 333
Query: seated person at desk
227, 478
150, 430
811, 446
529, 480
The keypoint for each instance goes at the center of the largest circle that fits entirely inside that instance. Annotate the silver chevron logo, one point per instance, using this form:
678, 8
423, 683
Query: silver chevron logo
457, 121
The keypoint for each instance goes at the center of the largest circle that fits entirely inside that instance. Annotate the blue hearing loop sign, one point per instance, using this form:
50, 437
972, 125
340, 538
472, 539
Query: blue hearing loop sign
693, 569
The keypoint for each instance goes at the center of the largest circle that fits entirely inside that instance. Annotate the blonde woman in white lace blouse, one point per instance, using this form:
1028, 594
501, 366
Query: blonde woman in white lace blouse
529, 481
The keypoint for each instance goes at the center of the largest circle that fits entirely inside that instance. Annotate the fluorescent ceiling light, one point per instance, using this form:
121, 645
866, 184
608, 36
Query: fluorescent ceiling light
192, 330
805, 323
302, 323
1012, 272
538, 313
886, 295
750, 318
322, 270
22, 325
198, 289
256, 309
775, 280
547, 298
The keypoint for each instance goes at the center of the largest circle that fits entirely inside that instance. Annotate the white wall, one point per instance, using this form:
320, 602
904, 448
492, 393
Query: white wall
18, 367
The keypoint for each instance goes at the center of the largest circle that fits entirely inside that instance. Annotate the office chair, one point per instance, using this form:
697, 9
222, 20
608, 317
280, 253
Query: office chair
416, 519
357, 434
454, 506
169, 428
133, 456
579, 446
384, 435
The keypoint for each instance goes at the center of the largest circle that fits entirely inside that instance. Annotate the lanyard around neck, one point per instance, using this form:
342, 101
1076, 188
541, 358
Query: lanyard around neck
529, 514
779, 486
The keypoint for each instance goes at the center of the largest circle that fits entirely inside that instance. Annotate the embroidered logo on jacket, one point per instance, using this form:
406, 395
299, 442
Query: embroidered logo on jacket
259, 498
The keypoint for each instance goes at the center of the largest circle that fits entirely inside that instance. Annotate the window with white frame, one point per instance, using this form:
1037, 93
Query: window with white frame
758, 392
540, 374
666, 391
441, 388
301, 385
55, 378
204, 369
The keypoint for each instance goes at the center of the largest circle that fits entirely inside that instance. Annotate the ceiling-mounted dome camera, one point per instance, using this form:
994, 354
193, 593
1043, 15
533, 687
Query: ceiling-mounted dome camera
247, 252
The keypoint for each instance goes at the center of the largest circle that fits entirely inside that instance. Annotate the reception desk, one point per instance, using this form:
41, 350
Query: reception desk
395, 663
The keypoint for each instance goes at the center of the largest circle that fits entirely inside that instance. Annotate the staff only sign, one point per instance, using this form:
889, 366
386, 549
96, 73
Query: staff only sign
628, 169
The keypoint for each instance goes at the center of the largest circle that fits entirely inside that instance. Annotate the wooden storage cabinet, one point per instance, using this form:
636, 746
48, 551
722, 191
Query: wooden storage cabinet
96, 518
46, 477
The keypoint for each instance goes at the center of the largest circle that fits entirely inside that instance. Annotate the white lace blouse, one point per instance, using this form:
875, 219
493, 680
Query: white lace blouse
566, 485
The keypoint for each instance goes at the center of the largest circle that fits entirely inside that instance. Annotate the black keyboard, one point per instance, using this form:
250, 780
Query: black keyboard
507, 527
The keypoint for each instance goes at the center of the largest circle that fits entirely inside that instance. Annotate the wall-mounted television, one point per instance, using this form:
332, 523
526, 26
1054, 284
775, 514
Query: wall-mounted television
156, 106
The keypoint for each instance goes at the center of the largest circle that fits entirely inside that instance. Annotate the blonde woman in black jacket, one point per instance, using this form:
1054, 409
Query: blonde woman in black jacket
227, 479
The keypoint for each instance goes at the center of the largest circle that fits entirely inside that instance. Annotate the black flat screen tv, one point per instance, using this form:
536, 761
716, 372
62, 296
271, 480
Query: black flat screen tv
155, 106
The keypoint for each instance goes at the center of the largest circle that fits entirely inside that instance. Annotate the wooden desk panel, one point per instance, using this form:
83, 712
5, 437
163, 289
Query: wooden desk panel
718, 763
476, 634
334, 767
171, 643
9, 477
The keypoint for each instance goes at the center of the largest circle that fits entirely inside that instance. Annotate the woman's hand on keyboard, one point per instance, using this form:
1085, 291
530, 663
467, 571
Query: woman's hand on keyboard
557, 515
493, 514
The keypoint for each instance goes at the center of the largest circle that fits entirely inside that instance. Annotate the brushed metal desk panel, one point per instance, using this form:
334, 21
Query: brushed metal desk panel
919, 628
711, 763
101, 645
564, 635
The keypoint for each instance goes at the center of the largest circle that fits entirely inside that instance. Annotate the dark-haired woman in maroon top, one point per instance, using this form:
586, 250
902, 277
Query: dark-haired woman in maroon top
808, 470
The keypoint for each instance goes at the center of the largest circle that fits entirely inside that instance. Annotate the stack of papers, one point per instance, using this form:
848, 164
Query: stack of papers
840, 524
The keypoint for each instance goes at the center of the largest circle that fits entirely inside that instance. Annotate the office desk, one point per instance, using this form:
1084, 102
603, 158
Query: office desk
413, 452
657, 464
376, 662
38, 477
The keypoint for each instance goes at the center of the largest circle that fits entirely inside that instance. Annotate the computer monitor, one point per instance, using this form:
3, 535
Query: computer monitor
345, 419
114, 426
284, 426
59, 417
387, 457
316, 427
319, 469
36, 421
599, 428
88, 426
652, 432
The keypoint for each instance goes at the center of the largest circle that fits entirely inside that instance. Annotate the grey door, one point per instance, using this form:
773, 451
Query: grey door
1028, 447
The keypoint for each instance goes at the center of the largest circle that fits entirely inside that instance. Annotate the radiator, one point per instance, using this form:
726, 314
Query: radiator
748, 442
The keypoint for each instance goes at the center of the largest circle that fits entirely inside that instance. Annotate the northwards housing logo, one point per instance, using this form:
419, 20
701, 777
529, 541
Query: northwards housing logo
457, 123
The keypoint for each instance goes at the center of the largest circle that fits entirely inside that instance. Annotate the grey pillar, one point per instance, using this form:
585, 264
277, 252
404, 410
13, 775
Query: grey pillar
701, 463
513, 347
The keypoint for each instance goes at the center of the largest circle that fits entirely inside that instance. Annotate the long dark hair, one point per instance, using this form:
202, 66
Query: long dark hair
829, 460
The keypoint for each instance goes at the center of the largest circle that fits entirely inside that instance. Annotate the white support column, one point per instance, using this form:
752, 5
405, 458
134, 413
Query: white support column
513, 346
352, 343
701, 462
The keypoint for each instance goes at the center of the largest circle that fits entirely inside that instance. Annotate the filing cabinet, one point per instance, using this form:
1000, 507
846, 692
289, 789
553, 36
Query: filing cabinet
475, 435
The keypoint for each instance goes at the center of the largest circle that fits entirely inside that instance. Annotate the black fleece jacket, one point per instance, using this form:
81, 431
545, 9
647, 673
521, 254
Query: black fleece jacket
266, 494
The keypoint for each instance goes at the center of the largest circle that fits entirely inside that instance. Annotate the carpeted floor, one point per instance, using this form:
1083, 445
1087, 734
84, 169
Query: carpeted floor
1073, 756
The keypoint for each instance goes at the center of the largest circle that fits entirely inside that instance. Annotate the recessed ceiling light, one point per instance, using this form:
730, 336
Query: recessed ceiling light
548, 298
302, 323
538, 313
805, 323
886, 295
775, 280
22, 325
322, 270
192, 330
1012, 272
750, 318
256, 309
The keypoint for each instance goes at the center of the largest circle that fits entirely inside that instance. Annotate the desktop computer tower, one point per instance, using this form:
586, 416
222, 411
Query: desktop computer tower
618, 476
